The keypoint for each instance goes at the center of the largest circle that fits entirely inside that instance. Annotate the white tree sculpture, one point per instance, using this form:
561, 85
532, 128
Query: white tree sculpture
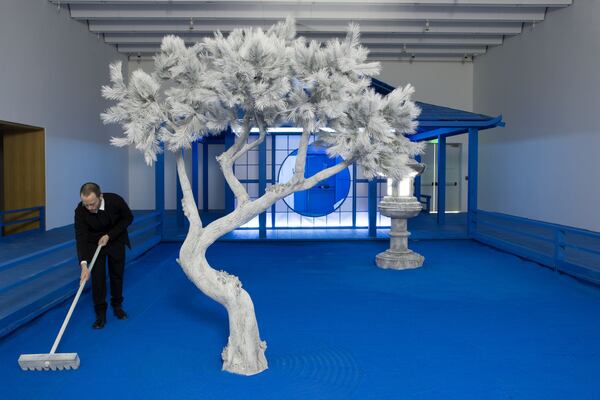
255, 78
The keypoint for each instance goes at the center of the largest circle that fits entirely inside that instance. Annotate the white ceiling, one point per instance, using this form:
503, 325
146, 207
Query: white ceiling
392, 29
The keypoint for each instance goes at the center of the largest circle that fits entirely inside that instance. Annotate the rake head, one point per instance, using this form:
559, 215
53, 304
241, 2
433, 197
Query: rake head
48, 362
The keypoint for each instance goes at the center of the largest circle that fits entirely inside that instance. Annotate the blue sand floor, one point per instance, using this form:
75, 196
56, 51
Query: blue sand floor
474, 323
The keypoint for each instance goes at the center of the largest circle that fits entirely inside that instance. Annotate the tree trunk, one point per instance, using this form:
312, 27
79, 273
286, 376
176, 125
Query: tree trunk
245, 351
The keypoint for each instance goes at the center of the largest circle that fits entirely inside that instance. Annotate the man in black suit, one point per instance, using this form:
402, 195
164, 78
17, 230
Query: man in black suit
102, 219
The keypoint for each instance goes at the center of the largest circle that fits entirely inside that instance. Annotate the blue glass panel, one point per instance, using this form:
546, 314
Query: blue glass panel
327, 195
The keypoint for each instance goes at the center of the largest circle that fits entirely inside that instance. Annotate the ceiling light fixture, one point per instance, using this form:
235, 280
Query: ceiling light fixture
427, 27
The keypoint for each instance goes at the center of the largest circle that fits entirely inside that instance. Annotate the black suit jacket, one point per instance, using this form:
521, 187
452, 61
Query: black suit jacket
113, 221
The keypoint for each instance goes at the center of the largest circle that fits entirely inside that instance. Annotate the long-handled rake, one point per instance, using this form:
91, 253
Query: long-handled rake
53, 361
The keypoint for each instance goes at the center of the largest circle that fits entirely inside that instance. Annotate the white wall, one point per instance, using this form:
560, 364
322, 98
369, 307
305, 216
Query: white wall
448, 84
51, 70
141, 182
546, 83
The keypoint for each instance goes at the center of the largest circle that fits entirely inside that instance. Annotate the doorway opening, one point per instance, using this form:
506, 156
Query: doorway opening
429, 179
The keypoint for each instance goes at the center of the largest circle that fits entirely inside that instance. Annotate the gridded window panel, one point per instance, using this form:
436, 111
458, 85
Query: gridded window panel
320, 221
280, 206
308, 222
241, 172
281, 141
347, 204
242, 167
253, 157
362, 204
253, 172
362, 219
345, 219
381, 190
359, 173
294, 220
253, 223
293, 142
252, 189
281, 219
269, 220
243, 160
362, 189
280, 156
334, 219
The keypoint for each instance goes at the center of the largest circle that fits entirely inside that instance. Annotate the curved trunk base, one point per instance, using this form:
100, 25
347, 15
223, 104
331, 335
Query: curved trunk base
238, 360
245, 351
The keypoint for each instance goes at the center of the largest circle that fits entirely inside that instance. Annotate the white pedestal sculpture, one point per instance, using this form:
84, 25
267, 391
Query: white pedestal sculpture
399, 205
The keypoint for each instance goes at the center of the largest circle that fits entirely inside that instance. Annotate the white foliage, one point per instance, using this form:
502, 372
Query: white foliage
200, 90
137, 110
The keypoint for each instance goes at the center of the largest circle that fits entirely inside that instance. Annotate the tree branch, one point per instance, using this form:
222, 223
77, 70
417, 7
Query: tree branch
240, 139
188, 202
227, 159
241, 147
261, 137
236, 186
324, 174
301, 157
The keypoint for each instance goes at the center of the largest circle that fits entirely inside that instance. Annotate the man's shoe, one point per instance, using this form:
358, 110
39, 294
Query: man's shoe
120, 313
99, 323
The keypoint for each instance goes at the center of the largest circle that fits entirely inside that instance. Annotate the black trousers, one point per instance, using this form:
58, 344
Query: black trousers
115, 253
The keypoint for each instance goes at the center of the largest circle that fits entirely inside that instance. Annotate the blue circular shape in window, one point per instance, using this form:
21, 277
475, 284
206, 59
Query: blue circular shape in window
326, 196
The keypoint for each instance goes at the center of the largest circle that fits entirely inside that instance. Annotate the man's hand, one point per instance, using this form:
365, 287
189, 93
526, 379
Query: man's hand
103, 240
85, 273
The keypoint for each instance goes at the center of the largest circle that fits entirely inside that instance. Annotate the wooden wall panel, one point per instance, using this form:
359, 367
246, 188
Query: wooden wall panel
24, 175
